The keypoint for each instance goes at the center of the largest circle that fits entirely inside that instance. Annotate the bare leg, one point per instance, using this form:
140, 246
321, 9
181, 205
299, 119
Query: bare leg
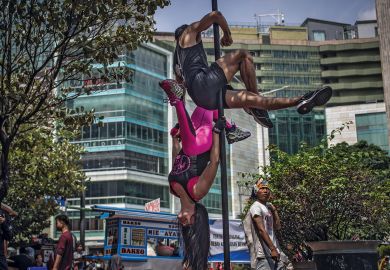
245, 99
243, 61
248, 74
206, 179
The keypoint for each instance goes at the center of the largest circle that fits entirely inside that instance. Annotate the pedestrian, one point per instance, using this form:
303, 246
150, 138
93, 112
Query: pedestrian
5, 236
260, 225
22, 261
78, 256
64, 250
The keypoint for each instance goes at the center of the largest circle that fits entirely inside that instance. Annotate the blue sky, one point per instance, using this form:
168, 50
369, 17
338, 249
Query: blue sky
296, 11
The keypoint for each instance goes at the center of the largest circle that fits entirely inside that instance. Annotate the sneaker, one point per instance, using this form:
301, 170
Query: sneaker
236, 134
318, 97
173, 89
261, 117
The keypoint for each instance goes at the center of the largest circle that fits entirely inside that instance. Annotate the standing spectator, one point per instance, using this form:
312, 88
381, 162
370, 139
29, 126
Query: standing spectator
39, 260
260, 224
78, 257
22, 261
64, 251
5, 235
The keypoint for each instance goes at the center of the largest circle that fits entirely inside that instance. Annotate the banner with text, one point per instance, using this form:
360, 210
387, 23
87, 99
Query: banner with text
236, 236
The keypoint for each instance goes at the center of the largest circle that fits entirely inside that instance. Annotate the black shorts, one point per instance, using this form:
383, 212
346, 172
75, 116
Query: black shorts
205, 86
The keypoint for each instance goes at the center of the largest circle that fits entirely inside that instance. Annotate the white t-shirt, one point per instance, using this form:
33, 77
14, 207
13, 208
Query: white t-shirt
259, 209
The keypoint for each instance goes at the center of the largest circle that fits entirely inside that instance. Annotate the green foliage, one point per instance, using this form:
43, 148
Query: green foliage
49, 55
44, 166
384, 250
338, 192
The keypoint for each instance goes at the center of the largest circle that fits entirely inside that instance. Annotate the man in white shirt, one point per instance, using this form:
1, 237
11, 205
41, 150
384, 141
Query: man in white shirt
261, 222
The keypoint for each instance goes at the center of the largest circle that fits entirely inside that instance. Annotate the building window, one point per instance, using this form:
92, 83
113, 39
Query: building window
122, 191
291, 129
372, 128
91, 224
124, 160
319, 35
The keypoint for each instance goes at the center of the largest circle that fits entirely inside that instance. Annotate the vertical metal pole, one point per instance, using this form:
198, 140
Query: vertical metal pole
82, 217
224, 184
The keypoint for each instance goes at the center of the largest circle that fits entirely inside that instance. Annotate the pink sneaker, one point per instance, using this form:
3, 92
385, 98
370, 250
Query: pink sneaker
173, 89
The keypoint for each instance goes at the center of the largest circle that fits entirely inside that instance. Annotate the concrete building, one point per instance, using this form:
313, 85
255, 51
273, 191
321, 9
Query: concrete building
353, 69
383, 16
367, 28
320, 30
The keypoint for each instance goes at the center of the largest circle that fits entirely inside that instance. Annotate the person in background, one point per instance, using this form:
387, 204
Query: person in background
64, 250
260, 225
22, 261
38, 262
78, 257
5, 235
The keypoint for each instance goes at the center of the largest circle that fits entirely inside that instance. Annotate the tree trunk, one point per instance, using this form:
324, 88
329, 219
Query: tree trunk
4, 163
383, 18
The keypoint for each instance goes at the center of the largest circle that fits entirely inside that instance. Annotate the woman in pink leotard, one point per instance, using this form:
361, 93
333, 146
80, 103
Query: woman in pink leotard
196, 160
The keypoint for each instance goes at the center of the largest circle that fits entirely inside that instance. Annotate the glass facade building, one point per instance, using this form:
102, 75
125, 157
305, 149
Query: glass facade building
372, 127
129, 147
297, 67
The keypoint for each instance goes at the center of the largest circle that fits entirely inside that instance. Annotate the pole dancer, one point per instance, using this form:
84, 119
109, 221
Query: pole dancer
203, 81
195, 151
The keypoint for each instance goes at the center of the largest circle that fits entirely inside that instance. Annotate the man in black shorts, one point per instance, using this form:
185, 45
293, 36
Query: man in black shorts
203, 82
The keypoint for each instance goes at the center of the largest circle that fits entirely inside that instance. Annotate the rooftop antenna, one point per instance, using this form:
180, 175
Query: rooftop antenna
278, 17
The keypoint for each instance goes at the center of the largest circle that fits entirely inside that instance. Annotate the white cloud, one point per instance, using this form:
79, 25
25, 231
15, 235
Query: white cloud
368, 14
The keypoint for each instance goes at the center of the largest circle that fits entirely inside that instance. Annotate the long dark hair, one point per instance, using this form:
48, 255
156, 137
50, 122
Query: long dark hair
196, 238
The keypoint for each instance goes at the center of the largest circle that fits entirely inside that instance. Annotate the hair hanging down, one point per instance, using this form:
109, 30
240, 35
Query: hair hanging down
180, 31
196, 239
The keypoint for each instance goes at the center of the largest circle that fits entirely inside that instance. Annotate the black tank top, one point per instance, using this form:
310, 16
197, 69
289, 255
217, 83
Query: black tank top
192, 60
186, 167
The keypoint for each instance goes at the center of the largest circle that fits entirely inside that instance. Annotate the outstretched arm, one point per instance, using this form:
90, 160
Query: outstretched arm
209, 20
192, 34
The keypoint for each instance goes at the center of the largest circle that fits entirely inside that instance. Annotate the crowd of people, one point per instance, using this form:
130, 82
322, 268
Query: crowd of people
45, 253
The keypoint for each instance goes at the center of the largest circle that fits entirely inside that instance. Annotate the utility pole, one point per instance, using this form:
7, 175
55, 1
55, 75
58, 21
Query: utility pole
82, 216
224, 184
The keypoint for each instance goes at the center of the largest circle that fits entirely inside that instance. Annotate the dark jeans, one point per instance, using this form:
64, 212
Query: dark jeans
3, 262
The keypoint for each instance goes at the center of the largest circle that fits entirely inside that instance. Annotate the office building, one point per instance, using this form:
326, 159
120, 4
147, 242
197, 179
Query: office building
127, 155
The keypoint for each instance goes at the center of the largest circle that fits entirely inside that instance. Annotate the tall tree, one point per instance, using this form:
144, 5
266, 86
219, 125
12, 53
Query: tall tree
45, 165
47, 43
